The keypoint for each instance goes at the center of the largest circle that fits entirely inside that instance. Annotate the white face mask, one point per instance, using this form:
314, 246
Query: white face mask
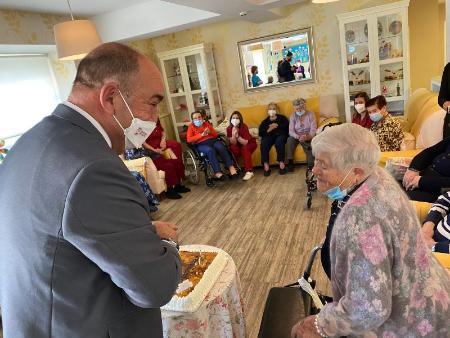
235, 122
139, 130
272, 112
360, 107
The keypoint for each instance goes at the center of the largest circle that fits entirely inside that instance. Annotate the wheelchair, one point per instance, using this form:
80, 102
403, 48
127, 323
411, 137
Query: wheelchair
196, 162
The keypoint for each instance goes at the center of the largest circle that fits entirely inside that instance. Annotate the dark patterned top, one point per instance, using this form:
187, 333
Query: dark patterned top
389, 133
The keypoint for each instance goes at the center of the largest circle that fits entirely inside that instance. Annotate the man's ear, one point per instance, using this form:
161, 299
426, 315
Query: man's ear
107, 94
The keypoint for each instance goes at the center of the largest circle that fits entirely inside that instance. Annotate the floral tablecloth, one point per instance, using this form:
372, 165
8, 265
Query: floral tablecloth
219, 316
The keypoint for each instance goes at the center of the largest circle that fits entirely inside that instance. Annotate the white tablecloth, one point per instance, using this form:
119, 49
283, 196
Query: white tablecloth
220, 314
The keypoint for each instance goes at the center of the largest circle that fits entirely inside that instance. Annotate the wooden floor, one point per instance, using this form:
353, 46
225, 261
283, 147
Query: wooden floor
262, 224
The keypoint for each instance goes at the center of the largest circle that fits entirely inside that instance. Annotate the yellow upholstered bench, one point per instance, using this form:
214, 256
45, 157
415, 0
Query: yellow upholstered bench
422, 209
254, 115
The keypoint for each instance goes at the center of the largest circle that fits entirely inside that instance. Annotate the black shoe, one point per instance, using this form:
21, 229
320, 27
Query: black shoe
221, 178
181, 188
282, 171
267, 173
234, 176
171, 194
290, 167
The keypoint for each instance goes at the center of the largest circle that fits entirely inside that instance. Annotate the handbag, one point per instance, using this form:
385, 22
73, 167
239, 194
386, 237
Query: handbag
169, 154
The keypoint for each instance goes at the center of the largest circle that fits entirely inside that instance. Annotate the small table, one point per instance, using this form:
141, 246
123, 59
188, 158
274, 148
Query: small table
219, 316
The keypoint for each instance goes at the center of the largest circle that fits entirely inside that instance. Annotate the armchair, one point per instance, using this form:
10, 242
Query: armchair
154, 177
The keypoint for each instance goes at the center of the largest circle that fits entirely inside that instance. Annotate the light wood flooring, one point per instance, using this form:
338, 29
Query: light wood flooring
262, 224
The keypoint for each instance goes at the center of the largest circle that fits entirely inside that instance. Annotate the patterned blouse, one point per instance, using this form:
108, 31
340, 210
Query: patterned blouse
389, 133
385, 281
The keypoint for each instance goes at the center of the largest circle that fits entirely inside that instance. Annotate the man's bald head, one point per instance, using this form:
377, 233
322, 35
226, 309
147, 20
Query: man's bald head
109, 62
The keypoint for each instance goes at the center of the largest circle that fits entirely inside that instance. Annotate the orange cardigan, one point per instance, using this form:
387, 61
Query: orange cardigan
194, 134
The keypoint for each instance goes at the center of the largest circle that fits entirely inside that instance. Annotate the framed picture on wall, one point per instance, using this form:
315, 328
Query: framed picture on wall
283, 59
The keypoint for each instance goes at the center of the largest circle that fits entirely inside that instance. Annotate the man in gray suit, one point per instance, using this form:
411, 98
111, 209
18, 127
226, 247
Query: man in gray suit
79, 254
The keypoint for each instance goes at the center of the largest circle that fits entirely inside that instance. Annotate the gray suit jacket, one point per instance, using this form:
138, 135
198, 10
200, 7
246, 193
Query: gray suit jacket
79, 256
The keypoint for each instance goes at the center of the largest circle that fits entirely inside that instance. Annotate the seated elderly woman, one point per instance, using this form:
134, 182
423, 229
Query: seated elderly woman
385, 282
429, 173
436, 228
387, 130
203, 135
302, 128
273, 130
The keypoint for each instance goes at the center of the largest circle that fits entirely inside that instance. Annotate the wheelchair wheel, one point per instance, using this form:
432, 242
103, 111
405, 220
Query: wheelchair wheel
308, 201
191, 167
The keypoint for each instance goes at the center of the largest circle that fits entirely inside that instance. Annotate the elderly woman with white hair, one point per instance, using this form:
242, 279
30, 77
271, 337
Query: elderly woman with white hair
302, 128
385, 282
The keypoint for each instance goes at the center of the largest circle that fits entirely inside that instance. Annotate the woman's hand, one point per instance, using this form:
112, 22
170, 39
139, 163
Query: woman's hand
235, 132
413, 183
305, 328
205, 132
446, 105
163, 144
427, 232
408, 177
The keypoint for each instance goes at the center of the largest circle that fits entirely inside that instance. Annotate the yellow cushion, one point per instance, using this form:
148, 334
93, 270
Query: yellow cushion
443, 258
415, 104
428, 109
422, 209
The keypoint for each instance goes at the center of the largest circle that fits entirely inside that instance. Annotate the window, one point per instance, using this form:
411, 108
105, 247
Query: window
28, 93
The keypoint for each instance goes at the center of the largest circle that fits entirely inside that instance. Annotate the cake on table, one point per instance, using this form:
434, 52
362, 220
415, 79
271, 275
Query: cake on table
201, 266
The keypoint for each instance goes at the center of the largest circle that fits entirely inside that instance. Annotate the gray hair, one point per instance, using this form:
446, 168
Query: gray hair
299, 102
348, 145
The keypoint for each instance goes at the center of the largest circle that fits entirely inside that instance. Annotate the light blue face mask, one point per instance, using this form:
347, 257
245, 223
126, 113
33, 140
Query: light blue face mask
336, 193
375, 117
300, 113
197, 123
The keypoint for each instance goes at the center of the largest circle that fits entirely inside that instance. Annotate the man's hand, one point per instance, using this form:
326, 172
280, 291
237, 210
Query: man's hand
166, 230
305, 328
163, 144
408, 177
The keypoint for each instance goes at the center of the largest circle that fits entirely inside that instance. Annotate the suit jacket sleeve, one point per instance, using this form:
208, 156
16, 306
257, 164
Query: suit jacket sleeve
423, 159
106, 218
444, 91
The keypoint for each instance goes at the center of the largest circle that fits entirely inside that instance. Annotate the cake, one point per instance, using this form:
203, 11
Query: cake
201, 266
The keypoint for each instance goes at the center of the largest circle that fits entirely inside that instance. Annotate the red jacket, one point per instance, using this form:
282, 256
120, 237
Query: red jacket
366, 122
154, 140
243, 132
194, 134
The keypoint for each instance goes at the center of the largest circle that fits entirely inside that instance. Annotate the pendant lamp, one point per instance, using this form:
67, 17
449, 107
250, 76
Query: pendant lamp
75, 38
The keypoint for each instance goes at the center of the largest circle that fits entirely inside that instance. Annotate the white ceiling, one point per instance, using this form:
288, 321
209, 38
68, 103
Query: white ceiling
132, 19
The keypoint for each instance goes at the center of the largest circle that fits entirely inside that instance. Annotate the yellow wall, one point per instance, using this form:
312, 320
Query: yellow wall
427, 45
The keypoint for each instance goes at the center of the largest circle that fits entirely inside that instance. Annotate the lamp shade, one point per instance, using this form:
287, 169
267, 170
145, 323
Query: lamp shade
74, 39
322, 1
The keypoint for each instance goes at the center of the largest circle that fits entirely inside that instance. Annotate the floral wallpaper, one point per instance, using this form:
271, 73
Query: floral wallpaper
26, 28
225, 35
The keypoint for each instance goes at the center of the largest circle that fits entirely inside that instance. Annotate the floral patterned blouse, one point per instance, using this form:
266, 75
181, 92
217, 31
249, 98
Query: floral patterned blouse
389, 133
385, 281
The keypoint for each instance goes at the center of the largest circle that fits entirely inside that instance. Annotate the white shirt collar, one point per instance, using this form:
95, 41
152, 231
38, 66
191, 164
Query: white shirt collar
90, 119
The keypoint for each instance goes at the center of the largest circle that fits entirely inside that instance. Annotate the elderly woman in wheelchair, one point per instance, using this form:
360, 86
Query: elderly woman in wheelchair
203, 137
